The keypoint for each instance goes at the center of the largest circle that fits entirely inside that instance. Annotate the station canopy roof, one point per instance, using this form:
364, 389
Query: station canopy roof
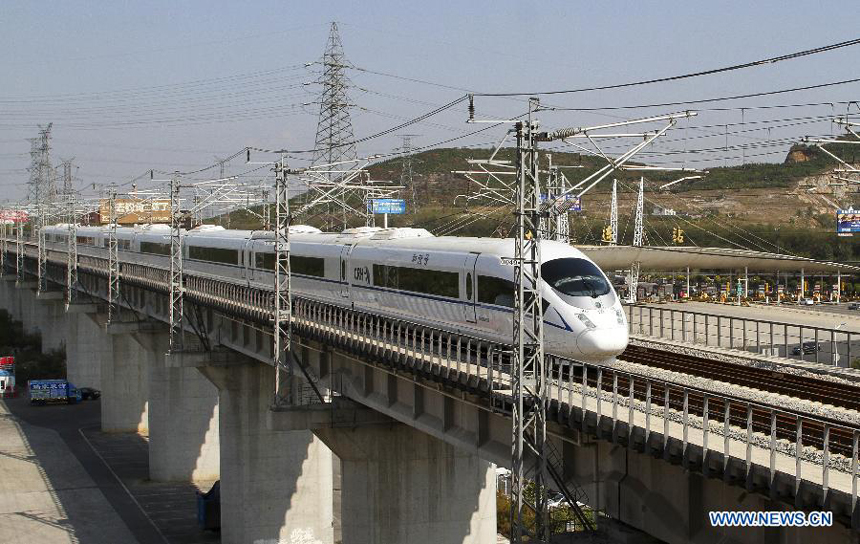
671, 258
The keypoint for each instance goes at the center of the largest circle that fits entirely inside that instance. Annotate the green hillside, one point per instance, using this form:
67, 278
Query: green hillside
788, 225
435, 183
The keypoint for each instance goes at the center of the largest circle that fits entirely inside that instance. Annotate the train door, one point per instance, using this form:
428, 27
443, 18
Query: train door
254, 273
470, 281
344, 257
248, 255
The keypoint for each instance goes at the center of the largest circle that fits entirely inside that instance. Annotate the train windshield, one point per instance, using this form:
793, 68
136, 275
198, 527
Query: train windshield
575, 277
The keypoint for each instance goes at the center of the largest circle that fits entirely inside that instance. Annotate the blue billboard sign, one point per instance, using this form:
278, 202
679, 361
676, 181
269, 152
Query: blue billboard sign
388, 205
847, 221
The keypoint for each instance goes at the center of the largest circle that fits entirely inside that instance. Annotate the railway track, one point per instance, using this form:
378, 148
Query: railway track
839, 439
800, 387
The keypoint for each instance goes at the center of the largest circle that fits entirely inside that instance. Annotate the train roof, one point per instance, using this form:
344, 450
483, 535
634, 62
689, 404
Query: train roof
372, 237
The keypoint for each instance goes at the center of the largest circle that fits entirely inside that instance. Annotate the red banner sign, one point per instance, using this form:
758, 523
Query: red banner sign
15, 216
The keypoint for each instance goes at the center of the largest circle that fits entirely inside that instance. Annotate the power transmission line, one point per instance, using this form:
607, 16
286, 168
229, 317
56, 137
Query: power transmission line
713, 71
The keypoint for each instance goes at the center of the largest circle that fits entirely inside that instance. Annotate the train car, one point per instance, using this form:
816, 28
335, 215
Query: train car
465, 285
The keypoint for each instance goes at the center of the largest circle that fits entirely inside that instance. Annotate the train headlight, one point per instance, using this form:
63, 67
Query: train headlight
619, 314
585, 321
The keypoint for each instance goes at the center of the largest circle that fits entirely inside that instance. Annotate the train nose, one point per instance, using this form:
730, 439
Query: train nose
602, 343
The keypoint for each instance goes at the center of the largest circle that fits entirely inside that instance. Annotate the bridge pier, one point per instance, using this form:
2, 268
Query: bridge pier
43, 314
86, 345
49, 314
124, 373
402, 485
183, 418
275, 485
10, 296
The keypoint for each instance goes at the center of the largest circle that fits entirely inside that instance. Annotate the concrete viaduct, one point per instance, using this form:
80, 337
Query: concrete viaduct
416, 417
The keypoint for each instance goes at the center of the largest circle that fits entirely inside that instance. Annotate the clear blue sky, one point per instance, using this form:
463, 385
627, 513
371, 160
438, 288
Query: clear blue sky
133, 85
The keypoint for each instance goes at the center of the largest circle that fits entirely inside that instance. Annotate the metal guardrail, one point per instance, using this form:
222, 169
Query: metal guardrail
825, 345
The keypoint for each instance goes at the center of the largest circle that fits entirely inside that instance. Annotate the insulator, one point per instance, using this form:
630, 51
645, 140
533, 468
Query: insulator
248, 154
563, 133
471, 107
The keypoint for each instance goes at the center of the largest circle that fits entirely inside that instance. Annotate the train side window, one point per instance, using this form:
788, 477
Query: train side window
306, 266
213, 254
342, 270
469, 286
496, 291
310, 266
155, 248
264, 261
417, 280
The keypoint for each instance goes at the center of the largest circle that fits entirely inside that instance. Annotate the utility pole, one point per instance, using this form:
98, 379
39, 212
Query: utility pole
113, 258
72, 234
3, 234
529, 373
282, 348
71, 250
334, 140
19, 251
176, 280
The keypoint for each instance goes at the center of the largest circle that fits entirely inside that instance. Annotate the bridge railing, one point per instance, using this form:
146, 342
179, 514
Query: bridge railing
808, 448
825, 345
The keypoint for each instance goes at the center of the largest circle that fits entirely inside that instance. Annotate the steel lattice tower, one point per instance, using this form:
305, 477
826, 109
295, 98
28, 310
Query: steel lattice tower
334, 140
67, 176
406, 173
638, 240
639, 230
47, 188
613, 213
33, 185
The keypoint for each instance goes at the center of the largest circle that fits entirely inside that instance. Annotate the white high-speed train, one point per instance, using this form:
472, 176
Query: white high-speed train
461, 284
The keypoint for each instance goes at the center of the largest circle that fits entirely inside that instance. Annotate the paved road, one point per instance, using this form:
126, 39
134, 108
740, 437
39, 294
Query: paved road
117, 465
53, 488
